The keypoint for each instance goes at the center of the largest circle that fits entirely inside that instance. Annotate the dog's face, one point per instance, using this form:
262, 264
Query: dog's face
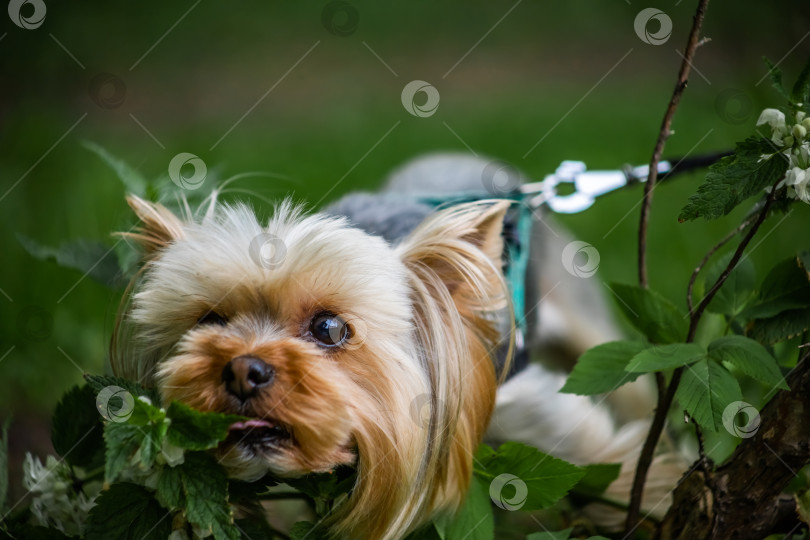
327, 338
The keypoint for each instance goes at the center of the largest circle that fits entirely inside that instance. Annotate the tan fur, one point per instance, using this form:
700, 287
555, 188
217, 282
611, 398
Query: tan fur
423, 315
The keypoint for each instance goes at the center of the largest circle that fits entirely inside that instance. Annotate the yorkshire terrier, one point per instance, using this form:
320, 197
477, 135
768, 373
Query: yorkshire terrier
374, 334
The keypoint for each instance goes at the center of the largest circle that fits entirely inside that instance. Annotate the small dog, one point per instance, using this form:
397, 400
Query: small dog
367, 335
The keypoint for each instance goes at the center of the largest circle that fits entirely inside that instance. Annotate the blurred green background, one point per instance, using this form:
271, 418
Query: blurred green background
293, 97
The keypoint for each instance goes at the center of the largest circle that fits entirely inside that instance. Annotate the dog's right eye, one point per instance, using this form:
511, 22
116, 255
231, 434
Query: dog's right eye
212, 317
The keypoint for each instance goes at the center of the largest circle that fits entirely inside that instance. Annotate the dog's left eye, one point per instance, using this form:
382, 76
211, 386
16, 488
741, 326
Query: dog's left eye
329, 329
212, 317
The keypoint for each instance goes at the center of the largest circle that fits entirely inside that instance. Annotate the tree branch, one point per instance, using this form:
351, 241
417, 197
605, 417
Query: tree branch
665, 402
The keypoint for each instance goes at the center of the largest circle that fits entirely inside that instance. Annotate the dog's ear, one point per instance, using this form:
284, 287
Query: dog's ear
158, 227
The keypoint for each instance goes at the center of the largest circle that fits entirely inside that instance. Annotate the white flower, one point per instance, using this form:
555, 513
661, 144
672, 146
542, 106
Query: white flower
54, 501
171, 453
773, 117
797, 181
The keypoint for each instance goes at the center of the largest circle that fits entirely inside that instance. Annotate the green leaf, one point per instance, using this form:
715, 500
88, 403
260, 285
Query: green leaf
133, 181
784, 287
206, 491
660, 357
652, 314
474, 521
77, 430
169, 491
323, 488
601, 368
735, 178
750, 357
598, 477
4, 465
775, 74
736, 290
804, 262
302, 530
706, 389
87, 256
122, 441
196, 430
127, 512
549, 535
801, 89
786, 325
521, 476
99, 382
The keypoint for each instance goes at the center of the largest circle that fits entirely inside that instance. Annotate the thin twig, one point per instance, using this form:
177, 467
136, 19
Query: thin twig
665, 401
692, 44
664, 398
741, 227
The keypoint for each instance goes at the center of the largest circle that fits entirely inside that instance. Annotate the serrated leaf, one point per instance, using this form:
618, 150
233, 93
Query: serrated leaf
99, 382
537, 480
652, 314
122, 441
169, 491
4, 465
127, 512
601, 368
474, 521
801, 89
750, 357
735, 178
598, 477
784, 287
786, 325
132, 180
660, 357
206, 491
196, 430
77, 432
325, 486
775, 75
551, 535
736, 290
706, 389
87, 256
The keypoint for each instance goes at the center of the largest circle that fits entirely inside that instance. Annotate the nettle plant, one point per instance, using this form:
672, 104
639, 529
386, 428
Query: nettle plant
133, 467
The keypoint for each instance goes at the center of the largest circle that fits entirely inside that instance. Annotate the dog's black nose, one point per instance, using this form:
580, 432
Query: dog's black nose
244, 375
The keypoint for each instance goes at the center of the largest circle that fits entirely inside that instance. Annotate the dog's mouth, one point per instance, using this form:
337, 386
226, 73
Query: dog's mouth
259, 433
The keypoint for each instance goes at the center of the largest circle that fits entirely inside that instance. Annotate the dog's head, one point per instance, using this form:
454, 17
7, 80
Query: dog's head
342, 349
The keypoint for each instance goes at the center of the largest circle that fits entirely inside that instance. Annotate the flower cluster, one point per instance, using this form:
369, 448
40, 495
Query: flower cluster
793, 142
59, 499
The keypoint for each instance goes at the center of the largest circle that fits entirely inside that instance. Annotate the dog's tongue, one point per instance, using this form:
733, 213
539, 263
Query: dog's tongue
250, 424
